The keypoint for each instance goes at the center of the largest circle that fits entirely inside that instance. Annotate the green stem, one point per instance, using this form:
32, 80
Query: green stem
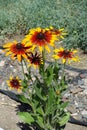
28, 69
26, 65
63, 73
43, 57
22, 68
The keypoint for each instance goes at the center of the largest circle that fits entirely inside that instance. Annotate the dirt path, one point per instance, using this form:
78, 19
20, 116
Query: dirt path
8, 114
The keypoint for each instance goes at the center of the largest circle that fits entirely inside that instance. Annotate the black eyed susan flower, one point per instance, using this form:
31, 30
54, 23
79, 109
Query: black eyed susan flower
66, 55
35, 59
17, 50
58, 32
14, 83
41, 38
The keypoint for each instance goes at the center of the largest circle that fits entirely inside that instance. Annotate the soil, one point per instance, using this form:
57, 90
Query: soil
9, 119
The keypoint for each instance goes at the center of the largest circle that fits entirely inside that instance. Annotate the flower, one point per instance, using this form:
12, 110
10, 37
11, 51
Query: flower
58, 92
65, 55
41, 38
58, 32
14, 83
16, 49
35, 59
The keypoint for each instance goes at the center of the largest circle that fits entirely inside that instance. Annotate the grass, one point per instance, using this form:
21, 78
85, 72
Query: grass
18, 16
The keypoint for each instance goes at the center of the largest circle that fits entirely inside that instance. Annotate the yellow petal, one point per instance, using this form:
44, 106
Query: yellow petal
40, 48
61, 29
7, 45
64, 60
61, 37
8, 53
25, 56
75, 51
19, 57
11, 77
13, 56
61, 49
56, 50
47, 48
55, 57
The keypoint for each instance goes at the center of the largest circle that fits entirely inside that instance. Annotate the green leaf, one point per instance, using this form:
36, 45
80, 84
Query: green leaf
64, 105
39, 93
26, 117
23, 99
39, 121
50, 107
40, 110
24, 83
49, 74
56, 69
64, 119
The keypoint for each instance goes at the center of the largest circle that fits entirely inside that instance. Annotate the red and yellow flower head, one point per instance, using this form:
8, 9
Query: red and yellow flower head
35, 60
41, 38
14, 83
65, 55
17, 50
58, 32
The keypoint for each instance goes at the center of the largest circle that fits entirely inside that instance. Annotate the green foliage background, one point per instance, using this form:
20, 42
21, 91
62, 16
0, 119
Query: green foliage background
18, 16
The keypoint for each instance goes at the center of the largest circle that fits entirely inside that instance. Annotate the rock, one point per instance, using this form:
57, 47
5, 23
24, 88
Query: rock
85, 82
64, 99
66, 95
84, 118
80, 96
84, 75
80, 82
85, 91
83, 86
76, 90
1, 51
2, 63
71, 109
76, 103
1, 129
84, 112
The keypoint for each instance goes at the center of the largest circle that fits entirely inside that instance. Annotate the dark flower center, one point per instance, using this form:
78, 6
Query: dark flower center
15, 83
40, 36
35, 59
19, 46
66, 52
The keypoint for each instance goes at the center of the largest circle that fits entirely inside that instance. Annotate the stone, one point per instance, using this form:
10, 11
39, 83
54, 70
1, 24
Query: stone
84, 112
76, 103
85, 91
84, 118
83, 75
2, 63
80, 95
71, 109
1, 51
66, 95
83, 86
85, 82
80, 82
1, 129
76, 90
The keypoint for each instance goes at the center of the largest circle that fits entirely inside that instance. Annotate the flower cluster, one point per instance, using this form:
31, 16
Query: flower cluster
42, 39
45, 97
